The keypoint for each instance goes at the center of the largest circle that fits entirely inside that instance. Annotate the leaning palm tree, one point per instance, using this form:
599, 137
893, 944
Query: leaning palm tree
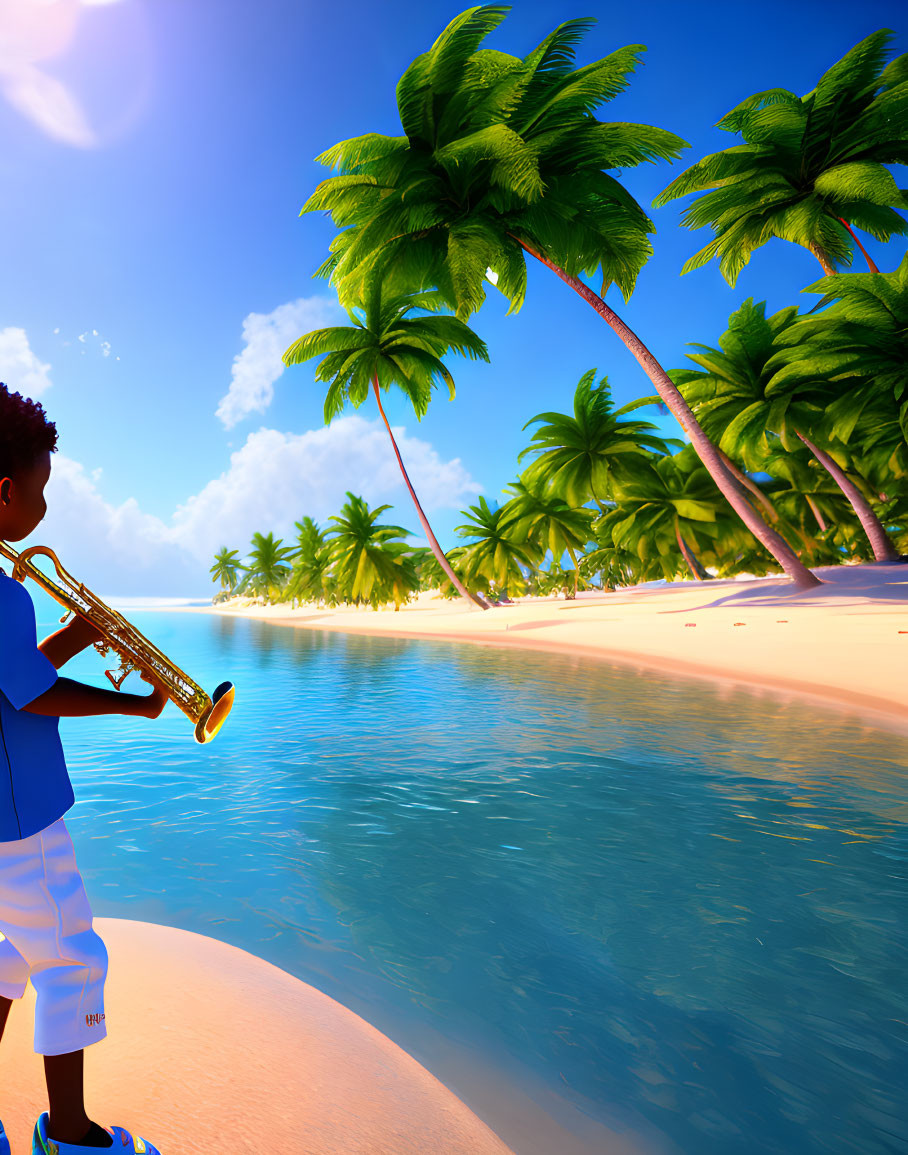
388, 345
579, 453
226, 567
502, 157
810, 166
548, 522
741, 397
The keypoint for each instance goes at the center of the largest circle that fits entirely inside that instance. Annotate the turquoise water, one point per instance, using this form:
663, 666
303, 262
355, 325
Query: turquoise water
679, 910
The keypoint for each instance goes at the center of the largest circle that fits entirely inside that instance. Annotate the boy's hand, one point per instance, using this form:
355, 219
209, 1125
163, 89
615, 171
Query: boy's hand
80, 632
155, 702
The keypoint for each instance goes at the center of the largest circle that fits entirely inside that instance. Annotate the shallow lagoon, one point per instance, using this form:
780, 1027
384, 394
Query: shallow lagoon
674, 910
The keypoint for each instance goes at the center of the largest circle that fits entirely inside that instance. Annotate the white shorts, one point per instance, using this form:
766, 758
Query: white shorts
45, 916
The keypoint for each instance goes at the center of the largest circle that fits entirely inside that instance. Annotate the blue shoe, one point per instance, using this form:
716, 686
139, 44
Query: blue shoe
122, 1143
4, 1142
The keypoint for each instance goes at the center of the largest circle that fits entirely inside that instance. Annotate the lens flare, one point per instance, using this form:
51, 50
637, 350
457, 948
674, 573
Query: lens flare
35, 31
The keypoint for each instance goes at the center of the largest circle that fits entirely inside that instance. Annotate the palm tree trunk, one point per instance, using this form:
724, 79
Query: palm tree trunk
815, 510
823, 257
697, 572
423, 520
870, 264
749, 484
706, 451
883, 549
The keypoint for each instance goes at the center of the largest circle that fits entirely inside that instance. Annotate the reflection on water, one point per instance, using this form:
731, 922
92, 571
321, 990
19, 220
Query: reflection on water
680, 908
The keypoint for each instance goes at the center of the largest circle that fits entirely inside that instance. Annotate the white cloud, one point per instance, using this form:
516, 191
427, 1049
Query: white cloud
266, 338
20, 369
273, 480
277, 478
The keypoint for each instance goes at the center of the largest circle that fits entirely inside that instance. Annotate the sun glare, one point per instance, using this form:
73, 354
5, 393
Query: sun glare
34, 31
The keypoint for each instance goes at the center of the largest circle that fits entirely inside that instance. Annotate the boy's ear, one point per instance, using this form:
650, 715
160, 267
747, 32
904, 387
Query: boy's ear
5, 485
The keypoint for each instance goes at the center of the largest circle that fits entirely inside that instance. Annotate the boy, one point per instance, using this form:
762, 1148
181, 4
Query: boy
44, 911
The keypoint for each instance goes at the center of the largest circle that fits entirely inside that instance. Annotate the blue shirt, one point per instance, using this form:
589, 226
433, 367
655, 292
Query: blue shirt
35, 789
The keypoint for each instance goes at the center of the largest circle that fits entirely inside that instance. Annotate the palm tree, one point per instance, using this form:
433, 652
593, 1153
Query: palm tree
859, 346
672, 507
225, 568
267, 569
372, 564
497, 551
810, 168
741, 397
310, 579
812, 505
387, 346
502, 157
432, 576
578, 454
548, 522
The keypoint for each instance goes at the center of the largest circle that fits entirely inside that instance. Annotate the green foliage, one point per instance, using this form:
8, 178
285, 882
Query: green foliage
730, 391
498, 551
226, 567
499, 152
386, 345
855, 353
267, 569
311, 579
372, 563
808, 164
674, 498
580, 455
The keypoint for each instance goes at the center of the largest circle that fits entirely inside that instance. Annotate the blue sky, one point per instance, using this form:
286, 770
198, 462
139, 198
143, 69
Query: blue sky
154, 155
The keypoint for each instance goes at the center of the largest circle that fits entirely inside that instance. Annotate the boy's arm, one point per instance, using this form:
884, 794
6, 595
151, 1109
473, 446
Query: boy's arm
64, 644
69, 699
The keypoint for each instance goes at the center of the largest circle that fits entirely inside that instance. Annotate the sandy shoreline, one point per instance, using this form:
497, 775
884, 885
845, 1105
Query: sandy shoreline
210, 1048
844, 643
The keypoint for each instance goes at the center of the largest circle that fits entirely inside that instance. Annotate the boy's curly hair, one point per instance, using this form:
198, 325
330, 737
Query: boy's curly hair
25, 433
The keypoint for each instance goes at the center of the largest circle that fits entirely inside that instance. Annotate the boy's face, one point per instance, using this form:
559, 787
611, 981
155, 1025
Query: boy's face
22, 504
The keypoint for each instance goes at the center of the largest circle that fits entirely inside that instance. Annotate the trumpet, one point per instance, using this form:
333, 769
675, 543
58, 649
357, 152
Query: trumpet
134, 650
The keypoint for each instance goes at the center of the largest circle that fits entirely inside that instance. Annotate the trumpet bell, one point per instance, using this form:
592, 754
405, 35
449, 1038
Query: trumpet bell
215, 717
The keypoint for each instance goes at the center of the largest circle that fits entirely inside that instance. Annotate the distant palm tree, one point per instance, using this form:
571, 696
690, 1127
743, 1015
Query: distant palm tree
310, 579
226, 567
372, 562
578, 454
497, 551
387, 346
810, 166
267, 568
548, 522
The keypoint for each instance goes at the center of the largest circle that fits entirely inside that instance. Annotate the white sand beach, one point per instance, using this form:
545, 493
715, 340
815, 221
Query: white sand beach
212, 1049
845, 642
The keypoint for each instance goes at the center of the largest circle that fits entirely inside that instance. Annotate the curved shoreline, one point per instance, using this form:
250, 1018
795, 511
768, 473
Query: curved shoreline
844, 645
213, 1048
